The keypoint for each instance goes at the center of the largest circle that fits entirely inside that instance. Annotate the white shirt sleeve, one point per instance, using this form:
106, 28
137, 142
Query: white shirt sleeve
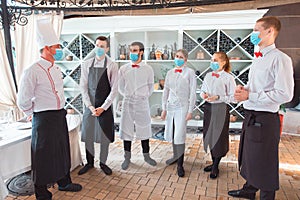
26, 92
192, 98
230, 88
166, 92
151, 82
84, 85
121, 84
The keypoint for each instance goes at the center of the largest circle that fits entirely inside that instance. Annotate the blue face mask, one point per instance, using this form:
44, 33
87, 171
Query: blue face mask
254, 37
178, 62
99, 51
214, 66
59, 54
134, 56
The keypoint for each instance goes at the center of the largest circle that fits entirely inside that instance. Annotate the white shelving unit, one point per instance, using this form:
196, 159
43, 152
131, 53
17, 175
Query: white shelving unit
200, 34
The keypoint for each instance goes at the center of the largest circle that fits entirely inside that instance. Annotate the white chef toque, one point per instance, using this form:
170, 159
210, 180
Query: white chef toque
45, 34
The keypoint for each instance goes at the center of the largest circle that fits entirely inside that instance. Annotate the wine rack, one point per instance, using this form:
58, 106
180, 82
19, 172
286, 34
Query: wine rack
201, 34
235, 43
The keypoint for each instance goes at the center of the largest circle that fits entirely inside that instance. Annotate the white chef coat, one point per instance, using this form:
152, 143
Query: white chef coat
224, 86
271, 81
136, 86
112, 74
41, 88
178, 100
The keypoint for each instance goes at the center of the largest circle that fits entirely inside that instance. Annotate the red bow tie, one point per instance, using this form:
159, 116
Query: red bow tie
178, 70
135, 65
257, 54
215, 74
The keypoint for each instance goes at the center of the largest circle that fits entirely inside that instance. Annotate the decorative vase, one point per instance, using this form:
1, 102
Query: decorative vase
152, 53
122, 50
165, 55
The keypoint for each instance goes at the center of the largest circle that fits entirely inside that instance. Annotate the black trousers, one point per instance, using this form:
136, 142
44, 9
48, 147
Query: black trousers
42, 193
145, 145
264, 195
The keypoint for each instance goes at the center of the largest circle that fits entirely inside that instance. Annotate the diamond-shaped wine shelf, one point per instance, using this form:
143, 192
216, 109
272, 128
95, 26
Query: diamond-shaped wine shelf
225, 44
248, 46
74, 47
210, 44
77, 103
87, 46
76, 74
188, 43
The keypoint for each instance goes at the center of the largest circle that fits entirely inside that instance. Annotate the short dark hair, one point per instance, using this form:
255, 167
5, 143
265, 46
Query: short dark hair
103, 38
141, 46
271, 21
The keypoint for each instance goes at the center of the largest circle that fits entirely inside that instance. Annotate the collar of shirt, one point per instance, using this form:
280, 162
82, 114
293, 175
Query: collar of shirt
267, 49
99, 63
45, 63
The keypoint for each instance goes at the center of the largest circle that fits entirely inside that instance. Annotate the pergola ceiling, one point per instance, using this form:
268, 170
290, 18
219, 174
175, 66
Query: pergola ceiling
73, 8
117, 7
120, 4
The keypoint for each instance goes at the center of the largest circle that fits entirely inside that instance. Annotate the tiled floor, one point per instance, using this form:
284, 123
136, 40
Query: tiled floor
142, 181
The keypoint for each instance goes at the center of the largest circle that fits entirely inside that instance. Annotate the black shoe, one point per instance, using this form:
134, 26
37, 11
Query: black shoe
105, 169
86, 168
71, 187
180, 171
208, 168
214, 173
242, 194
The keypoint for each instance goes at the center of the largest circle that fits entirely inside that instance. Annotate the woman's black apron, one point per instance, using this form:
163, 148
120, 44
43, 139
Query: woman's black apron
216, 128
50, 147
95, 128
258, 150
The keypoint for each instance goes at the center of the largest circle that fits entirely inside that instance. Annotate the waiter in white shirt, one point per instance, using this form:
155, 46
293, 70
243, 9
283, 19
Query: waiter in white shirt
217, 90
178, 103
99, 86
270, 84
41, 96
136, 84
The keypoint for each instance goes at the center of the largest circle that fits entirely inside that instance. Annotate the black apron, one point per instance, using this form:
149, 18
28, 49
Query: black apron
95, 128
50, 147
216, 128
106, 119
258, 150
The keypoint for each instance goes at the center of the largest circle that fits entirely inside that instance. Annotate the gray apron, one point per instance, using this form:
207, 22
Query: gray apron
95, 128
216, 128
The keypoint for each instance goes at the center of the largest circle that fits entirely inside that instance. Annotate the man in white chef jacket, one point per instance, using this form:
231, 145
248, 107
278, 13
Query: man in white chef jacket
136, 82
41, 95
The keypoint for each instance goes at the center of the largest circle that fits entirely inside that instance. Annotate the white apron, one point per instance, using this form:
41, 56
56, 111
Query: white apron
135, 119
176, 114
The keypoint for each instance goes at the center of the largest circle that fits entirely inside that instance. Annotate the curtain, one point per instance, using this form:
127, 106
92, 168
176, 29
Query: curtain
7, 89
27, 52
